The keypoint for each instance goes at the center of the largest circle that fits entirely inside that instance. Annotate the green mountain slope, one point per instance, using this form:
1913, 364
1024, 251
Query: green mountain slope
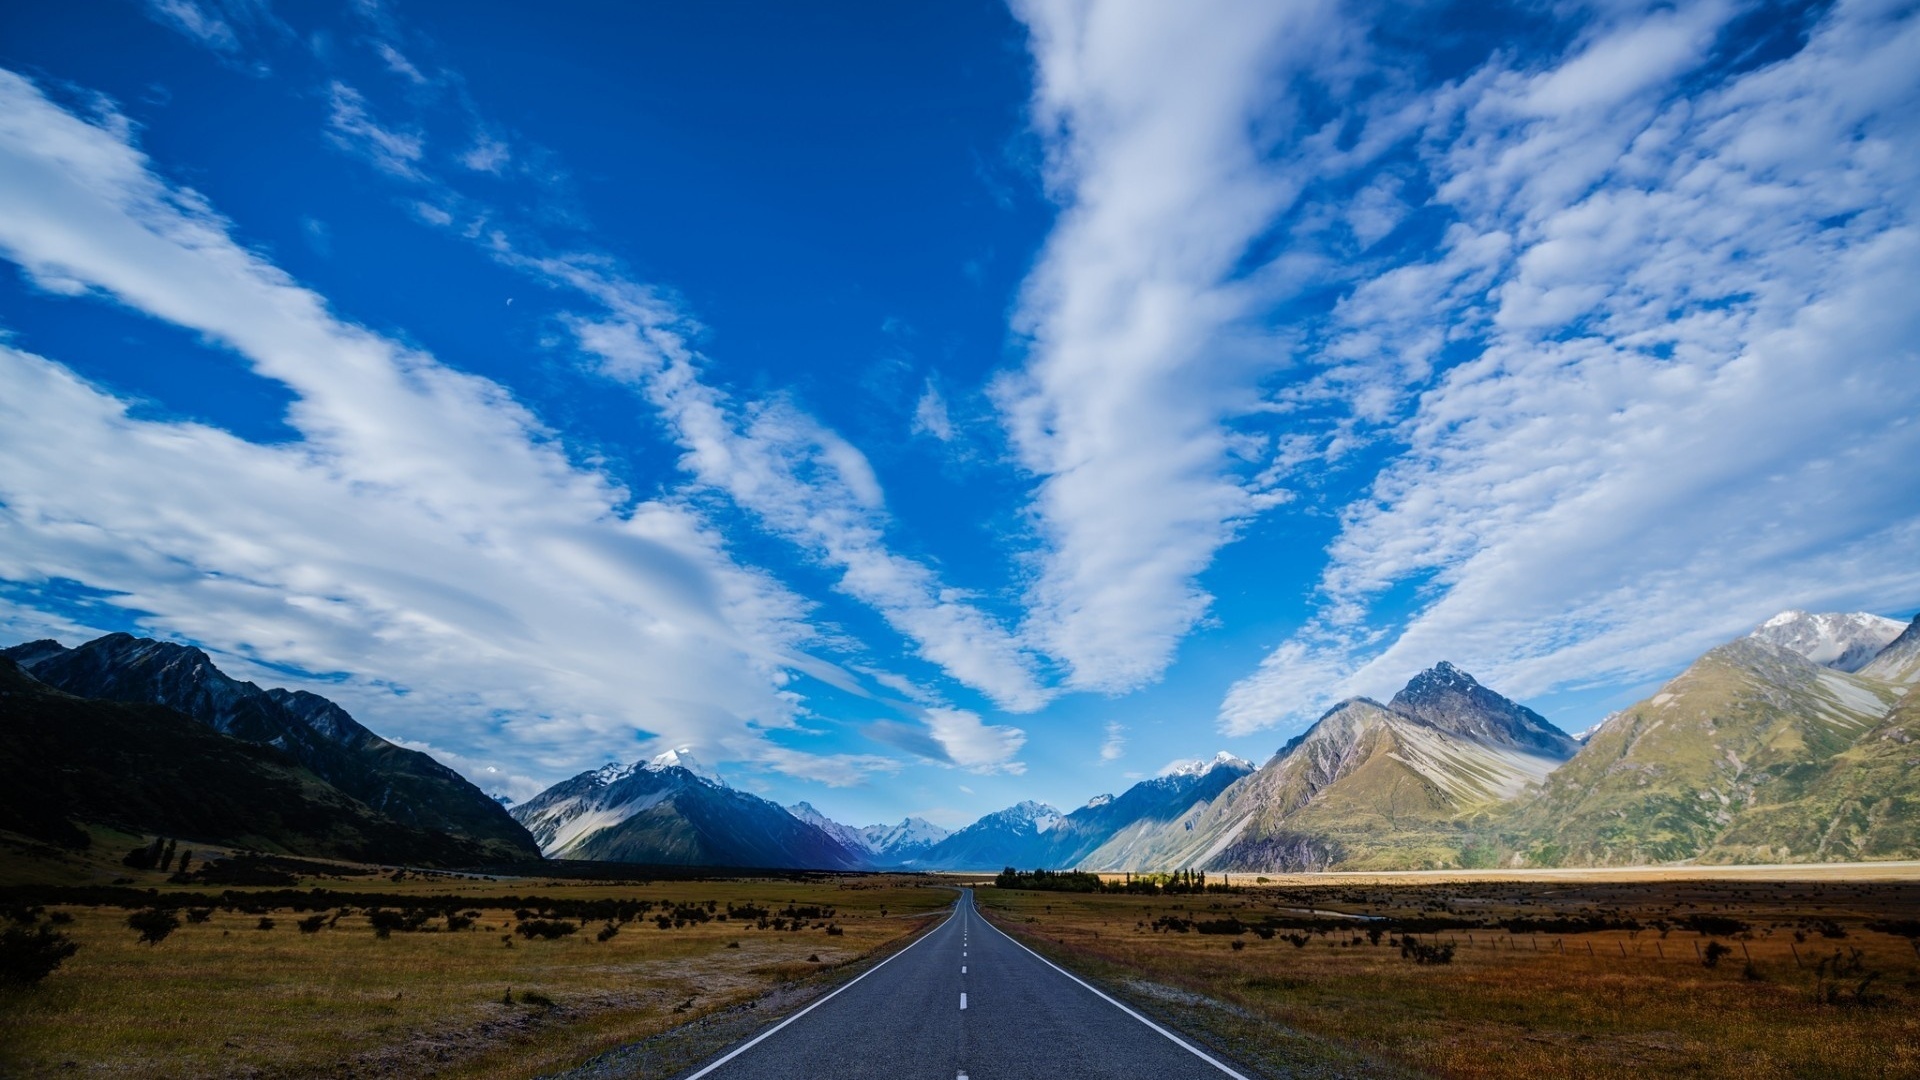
1749, 725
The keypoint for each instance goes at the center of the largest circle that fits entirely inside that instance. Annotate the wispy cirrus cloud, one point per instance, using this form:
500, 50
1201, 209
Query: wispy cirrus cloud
1687, 396
352, 127
423, 516
795, 476
1165, 129
806, 483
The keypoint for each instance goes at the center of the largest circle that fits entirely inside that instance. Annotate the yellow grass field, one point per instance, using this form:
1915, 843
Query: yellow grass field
1804, 989
224, 997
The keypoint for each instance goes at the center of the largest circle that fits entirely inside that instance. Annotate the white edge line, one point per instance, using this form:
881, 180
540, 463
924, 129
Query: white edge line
757, 1039
1177, 1040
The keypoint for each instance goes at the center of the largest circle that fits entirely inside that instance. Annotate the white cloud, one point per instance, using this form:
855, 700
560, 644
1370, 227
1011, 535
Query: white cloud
399, 64
976, 746
196, 22
424, 532
1114, 747
930, 414
806, 483
351, 126
1692, 402
487, 154
1161, 123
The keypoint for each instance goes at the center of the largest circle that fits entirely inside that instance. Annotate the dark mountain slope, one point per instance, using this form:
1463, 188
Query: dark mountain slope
403, 784
67, 761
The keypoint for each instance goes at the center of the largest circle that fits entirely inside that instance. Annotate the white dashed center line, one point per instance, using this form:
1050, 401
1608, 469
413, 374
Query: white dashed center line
963, 999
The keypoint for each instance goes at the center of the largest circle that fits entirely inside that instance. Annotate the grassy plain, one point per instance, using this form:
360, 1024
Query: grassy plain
224, 997
1804, 990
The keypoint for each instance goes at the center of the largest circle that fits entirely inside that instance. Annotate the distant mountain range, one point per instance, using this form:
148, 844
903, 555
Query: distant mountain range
1798, 742
672, 811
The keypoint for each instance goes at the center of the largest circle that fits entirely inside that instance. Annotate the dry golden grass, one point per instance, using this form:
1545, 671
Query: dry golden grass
1605, 1004
224, 998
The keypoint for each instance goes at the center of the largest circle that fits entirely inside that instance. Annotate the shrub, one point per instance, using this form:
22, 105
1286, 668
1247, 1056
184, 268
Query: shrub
1421, 952
27, 956
606, 932
545, 928
312, 923
1715, 950
154, 924
264, 924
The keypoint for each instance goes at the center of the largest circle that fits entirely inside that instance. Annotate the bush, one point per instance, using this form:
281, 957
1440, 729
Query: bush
1422, 953
154, 924
545, 928
312, 923
27, 956
1715, 950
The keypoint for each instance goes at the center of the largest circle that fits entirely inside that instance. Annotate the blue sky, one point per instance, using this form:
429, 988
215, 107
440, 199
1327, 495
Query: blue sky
918, 408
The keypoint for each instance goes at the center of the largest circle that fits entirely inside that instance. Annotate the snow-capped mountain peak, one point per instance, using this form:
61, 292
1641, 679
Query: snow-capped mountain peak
681, 757
1038, 815
1203, 766
910, 836
612, 772
1845, 641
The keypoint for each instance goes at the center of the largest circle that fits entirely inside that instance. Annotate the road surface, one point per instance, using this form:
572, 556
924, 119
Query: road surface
966, 1002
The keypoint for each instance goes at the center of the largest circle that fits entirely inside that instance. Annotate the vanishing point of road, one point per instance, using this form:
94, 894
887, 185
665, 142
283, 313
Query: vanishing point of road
966, 1002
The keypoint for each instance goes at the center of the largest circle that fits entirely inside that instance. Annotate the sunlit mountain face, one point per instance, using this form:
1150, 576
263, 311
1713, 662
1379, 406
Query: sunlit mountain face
913, 413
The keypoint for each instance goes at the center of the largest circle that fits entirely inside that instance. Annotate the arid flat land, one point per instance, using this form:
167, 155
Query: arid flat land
437, 995
1708, 972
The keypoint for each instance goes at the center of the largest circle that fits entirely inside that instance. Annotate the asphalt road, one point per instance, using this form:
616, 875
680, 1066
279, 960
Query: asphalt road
965, 1001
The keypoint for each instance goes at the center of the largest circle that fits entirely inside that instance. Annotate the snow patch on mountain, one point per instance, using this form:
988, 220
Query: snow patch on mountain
1844, 641
1203, 766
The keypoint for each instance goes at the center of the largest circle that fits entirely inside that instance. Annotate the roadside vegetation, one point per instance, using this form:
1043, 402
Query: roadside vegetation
1514, 979
310, 969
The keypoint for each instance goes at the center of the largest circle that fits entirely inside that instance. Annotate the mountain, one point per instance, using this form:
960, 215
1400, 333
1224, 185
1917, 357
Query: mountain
406, 785
1721, 755
848, 836
67, 761
1101, 834
1844, 641
1095, 836
671, 811
1899, 662
1446, 698
1015, 836
1370, 786
882, 845
902, 843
